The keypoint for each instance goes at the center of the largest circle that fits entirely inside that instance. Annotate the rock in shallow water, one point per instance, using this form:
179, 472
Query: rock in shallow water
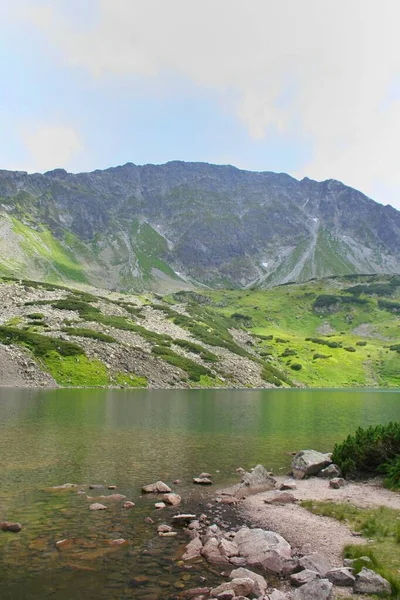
172, 499
159, 487
265, 549
241, 586
8, 526
97, 506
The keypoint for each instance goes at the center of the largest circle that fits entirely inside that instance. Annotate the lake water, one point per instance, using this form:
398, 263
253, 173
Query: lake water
128, 439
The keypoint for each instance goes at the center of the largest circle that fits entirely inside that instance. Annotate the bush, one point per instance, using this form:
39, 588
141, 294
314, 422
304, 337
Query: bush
362, 344
392, 472
288, 352
40, 345
393, 307
35, 316
369, 451
193, 369
88, 333
349, 348
296, 366
318, 355
197, 349
281, 340
324, 342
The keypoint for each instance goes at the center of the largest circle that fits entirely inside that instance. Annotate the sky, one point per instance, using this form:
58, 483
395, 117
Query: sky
306, 87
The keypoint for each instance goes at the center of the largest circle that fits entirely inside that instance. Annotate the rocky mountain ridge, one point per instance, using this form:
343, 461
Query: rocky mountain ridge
181, 224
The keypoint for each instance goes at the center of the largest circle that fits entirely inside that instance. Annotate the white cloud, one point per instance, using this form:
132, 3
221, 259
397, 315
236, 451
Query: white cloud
341, 55
50, 146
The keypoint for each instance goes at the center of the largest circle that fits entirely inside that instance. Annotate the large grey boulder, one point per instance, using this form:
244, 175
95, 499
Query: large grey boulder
212, 552
316, 562
318, 589
342, 577
241, 586
260, 585
255, 482
277, 595
369, 582
265, 549
331, 471
309, 462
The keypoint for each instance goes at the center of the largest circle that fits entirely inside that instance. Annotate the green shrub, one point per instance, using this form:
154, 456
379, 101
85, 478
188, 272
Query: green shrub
319, 355
369, 451
35, 316
39, 344
197, 349
392, 471
271, 374
288, 352
296, 366
323, 342
349, 348
393, 307
281, 340
264, 337
327, 301
88, 333
193, 369
362, 344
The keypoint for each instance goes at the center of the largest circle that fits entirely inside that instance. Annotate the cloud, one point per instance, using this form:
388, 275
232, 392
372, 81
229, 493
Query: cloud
50, 146
339, 58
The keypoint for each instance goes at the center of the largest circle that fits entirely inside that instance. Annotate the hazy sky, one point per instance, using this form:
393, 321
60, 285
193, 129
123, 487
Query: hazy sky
308, 87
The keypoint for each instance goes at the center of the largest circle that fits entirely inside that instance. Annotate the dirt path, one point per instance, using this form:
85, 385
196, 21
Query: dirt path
309, 532
19, 370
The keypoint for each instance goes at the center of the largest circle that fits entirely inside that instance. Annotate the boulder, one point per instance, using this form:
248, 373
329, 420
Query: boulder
288, 485
309, 462
318, 589
241, 586
212, 553
329, 472
8, 526
342, 576
336, 483
202, 481
260, 585
298, 579
205, 476
315, 562
193, 549
183, 519
228, 549
237, 561
259, 480
97, 506
128, 504
281, 498
114, 497
164, 528
277, 595
265, 549
159, 487
160, 505
369, 582
173, 499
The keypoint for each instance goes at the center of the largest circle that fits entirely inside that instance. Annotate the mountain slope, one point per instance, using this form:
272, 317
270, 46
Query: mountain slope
340, 332
174, 225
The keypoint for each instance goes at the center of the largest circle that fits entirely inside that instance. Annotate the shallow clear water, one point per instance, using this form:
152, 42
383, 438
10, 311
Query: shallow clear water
130, 438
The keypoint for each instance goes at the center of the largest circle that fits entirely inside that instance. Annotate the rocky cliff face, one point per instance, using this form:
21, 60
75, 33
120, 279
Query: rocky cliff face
178, 224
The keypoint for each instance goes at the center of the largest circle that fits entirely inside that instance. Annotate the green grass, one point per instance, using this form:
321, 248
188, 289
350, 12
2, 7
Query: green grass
379, 525
39, 345
76, 371
88, 333
193, 369
130, 380
197, 349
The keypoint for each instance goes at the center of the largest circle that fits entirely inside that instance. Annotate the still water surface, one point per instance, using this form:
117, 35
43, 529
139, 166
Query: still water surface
131, 438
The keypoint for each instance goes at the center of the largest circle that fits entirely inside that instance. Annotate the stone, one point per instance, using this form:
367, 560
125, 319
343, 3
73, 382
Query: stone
118, 542
196, 525
159, 487
202, 481
193, 549
205, 476
298, 579
189, 594
160, 505
369, 582
288, 485
96, 486
168, 534
237, 561
149, 520
277, 595
64, 486
336, 483
318, 589
227, 595
97, 506
139, 580
260, 585
343, 576
177, 482
329, 472
228, 500
212, 553
128, 504
113, 497
281, 498
164, 528
316, 562
309, 462
259, 480
240, 471
183, 519
265, 549
111, 487
241, 586
172, 499
65, 543
8, 526
228, 548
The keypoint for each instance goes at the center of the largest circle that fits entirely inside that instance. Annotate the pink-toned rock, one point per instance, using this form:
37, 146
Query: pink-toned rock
212, 554
193, 549
8, 526
112, 487
160, 505
288, 485
260, 585
164, 528
128, 504
241, 586
228, 548
159, 487
205, 476
265, 549
202, 481
336, 483
113, 497
118, 542
280, 498
149, 520
97, 506
168, 534
173, 499
177, 481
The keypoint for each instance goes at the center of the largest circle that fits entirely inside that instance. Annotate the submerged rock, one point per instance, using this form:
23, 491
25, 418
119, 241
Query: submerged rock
202, 481
309, 462
193, 549
128, 504
173, 499
97, 506
8, 526
159, 487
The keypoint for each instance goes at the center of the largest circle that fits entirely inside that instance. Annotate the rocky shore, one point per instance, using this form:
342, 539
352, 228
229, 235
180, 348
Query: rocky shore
282, 551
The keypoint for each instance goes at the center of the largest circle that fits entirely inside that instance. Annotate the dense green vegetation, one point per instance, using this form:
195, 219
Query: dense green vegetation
379, 525
193, 369
371, 451
88, 333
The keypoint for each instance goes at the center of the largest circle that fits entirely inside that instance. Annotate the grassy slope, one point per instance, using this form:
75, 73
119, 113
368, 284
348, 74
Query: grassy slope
286, 312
